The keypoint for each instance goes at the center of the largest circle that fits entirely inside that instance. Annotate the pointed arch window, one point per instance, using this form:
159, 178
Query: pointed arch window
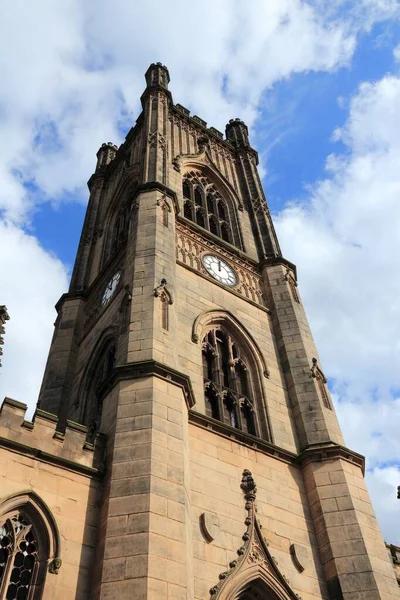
19, 558
91, 388
204, 206
228, 389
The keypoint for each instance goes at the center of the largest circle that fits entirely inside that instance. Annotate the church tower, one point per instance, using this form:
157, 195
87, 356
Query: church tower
185, 445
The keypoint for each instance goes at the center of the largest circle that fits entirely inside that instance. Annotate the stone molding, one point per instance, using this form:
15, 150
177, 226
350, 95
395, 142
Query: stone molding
191, 246
255, 565
313, 453
148, 368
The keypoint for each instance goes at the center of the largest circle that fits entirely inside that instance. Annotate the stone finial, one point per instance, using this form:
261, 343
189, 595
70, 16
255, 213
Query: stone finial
157, 75
248, 484
105, 155
4, 316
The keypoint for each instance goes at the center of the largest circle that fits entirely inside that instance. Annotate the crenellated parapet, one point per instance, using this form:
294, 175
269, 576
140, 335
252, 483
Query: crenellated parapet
40, 439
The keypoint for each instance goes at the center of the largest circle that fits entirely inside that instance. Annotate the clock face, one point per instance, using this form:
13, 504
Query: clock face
110, 289
219, 269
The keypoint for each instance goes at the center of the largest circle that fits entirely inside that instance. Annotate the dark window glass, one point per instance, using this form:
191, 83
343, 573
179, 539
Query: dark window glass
188, 211
225, 234
241, 379
221, 211
213, 226
198, 200
186, 190
210, 203
200, 218
248, 420
227, 384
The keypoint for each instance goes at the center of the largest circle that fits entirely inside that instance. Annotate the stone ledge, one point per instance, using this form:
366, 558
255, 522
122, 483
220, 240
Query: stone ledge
51, 459
146, 368
231, 433
314, 453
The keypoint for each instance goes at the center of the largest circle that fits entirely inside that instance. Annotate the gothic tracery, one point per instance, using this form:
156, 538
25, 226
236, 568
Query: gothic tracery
227, 385
204, 205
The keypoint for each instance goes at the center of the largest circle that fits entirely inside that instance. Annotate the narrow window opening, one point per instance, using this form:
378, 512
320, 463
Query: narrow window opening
212, 404
323, 392
210, 203
221, 211
186, 190
188, 211
230, 412
213, 226
241, 379
165, 216
248, 419
200, 218
198, 200
225, 234
164, 313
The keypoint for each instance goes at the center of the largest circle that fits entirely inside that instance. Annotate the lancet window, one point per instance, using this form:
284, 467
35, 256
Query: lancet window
204, 205
228, 389
120, 232
102, 369
18, 558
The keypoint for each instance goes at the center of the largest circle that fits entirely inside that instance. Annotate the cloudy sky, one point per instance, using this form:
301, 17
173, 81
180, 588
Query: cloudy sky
318, 82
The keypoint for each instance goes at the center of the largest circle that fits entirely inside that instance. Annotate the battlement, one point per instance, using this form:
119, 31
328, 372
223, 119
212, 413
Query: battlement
41, 439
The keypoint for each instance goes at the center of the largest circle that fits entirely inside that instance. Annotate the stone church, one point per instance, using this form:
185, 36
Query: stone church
185, 445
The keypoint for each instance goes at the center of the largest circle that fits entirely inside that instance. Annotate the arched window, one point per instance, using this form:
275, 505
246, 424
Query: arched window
188, 211
200, 218
18, 557
97, 373
29, 546
204, 206
228, 389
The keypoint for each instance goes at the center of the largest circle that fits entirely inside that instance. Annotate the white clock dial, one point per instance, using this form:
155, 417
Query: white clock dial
219, 269
110, 289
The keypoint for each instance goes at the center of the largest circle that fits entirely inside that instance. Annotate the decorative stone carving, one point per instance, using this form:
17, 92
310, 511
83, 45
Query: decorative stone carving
190, 246
300, 556
209, 525
254, 562
289, 277
162, 290
55, 565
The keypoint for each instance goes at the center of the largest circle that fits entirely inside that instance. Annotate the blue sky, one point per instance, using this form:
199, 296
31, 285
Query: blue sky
317, 82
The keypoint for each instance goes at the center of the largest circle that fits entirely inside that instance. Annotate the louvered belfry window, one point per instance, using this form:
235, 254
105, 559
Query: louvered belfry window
227, 385
18, 558
204, 205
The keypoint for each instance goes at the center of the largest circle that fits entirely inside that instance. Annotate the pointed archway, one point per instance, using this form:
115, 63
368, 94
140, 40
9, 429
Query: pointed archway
254, 575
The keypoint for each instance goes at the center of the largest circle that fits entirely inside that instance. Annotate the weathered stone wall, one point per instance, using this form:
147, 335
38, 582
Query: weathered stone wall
34, 458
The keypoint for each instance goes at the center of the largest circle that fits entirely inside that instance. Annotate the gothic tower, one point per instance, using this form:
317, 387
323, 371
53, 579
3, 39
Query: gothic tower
183, 393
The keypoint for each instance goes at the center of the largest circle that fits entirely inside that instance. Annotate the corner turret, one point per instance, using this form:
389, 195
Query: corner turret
157, 75
238, 133
105, 155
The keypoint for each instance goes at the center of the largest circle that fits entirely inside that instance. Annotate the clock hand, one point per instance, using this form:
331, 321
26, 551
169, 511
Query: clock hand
219, 265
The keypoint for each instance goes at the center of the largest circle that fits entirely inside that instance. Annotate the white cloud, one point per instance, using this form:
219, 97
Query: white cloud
74, 71
32, 280
345, 240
